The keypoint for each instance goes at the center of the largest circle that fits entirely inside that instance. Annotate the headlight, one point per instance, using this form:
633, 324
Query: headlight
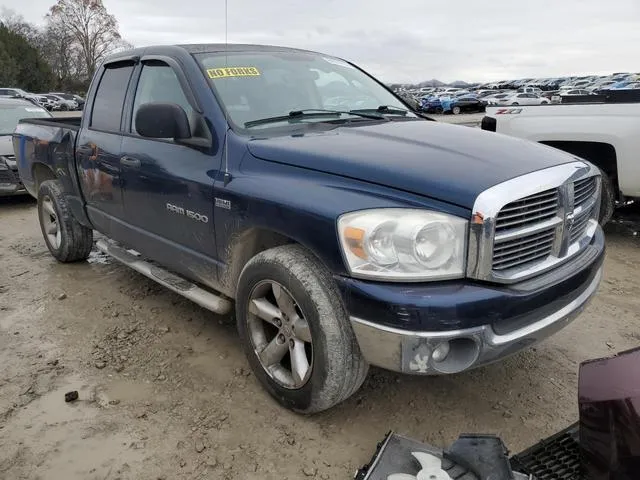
398, 244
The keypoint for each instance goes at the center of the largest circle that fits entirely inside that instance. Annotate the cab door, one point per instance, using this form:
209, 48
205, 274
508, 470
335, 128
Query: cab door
98, 149
168, 187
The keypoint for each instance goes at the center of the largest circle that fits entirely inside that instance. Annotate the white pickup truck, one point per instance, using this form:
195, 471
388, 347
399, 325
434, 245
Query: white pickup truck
606, 134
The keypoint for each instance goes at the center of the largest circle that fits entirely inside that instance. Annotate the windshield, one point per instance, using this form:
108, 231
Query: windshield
259, 85
11, 114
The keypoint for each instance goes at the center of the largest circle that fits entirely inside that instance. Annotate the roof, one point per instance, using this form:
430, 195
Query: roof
237, 47
199, 48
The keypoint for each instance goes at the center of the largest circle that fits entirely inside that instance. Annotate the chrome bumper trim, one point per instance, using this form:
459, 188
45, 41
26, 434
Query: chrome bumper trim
394, 349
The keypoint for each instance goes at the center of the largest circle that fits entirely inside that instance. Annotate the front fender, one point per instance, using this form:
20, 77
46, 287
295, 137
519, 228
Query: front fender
301, 205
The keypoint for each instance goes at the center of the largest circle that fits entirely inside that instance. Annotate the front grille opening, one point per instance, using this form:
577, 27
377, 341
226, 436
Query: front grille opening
523, 250
584, 190
580, 224
556, 458
528, 211
7, 176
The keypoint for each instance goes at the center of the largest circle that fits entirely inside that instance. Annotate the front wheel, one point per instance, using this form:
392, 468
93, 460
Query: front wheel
67, 240
456, 110
515, 103
296, 332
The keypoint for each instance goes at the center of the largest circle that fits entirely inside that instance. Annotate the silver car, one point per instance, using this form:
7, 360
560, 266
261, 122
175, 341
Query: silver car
12, 110
65, 103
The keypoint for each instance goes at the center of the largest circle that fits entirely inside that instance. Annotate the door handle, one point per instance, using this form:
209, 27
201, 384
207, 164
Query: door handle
130, 162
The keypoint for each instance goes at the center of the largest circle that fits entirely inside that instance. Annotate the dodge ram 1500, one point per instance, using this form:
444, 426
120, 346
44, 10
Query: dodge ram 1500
347, 230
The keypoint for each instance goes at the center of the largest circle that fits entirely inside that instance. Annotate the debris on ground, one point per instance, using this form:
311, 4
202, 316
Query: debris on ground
71, 396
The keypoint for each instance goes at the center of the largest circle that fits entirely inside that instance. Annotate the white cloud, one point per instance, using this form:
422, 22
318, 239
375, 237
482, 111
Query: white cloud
405, 40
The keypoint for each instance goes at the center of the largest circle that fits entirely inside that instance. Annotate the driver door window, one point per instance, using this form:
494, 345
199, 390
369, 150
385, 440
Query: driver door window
159, 83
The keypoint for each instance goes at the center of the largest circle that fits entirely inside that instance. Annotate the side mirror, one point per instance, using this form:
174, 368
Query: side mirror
162, 120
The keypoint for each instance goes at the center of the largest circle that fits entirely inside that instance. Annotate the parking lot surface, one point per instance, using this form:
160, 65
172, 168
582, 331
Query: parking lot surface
165, 390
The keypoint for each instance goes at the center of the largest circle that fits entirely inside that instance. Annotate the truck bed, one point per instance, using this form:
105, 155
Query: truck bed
72, 123
46, 144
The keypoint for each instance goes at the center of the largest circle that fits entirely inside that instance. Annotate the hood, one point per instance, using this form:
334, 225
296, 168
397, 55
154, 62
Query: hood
6, 145
445, 162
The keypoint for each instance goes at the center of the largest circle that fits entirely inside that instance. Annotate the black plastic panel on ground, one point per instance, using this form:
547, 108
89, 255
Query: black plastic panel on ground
555, 458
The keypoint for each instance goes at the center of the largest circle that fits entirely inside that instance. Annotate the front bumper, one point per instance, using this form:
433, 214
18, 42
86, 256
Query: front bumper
10, 183
444, 351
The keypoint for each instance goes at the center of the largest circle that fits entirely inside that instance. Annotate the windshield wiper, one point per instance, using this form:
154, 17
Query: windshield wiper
388, 109
310, 113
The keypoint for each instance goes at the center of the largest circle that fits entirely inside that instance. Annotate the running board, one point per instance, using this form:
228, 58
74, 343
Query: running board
173, 282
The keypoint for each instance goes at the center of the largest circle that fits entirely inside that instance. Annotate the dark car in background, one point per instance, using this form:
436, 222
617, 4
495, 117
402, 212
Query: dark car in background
12, 110
467, 104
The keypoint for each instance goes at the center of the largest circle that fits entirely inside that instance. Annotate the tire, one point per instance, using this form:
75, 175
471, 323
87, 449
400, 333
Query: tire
515, 103
608, 202
337, 369
67, 240
544, 103
456, 110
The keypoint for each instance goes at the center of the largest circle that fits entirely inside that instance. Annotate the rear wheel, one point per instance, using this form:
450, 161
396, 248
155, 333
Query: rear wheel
66, 238
296, 332
456, 110
515, 103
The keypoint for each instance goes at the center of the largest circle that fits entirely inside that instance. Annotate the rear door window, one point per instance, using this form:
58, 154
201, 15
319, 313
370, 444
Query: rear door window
109, 98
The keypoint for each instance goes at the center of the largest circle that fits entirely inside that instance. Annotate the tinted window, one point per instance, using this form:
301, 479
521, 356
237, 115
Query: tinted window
109, 100
159, 83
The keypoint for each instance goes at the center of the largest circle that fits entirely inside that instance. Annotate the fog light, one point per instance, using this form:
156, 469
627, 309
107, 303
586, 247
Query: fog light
441, 352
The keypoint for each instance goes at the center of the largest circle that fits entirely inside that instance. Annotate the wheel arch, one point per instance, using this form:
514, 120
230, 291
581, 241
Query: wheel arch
601, 154
246, 245
41, 172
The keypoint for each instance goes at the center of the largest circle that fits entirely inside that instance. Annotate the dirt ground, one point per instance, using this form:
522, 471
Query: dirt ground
165, 390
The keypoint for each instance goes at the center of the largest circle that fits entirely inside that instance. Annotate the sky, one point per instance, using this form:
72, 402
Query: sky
402, 40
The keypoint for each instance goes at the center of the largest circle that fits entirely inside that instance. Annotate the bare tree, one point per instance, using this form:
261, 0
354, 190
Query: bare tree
90, 25
61, 52
17, 24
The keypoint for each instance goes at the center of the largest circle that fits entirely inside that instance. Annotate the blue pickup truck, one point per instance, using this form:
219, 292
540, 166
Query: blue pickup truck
343, 237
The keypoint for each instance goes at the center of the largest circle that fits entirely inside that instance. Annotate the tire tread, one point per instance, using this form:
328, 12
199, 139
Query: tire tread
77, 240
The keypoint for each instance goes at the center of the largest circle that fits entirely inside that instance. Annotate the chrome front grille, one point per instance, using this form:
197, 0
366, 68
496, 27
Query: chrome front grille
579, 226
530, 210
523, 249
583, 190
525, 226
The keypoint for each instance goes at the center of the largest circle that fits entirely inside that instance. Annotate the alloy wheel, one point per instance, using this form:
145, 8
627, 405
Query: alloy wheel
280, 334
50, 222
